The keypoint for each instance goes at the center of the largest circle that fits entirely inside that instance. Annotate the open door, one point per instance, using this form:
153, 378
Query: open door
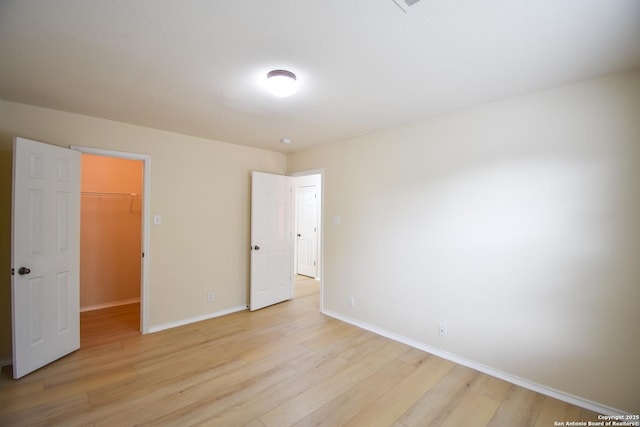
45, 254
307, 230
271, 234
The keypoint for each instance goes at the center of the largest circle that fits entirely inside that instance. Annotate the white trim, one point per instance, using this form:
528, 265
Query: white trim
109, 153
109, 304
306, 173
547, 391
171, 325
146, 209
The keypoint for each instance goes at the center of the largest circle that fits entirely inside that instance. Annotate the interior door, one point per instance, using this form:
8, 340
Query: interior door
45, 254
307, 230
271, 258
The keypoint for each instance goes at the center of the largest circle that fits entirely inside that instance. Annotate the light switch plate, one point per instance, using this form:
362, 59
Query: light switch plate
157, 220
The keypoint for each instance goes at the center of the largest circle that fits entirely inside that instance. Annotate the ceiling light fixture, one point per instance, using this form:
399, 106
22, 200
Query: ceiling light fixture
281, 83
286, 141
405, 4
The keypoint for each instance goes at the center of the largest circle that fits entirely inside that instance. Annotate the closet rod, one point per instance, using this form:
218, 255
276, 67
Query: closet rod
113, 195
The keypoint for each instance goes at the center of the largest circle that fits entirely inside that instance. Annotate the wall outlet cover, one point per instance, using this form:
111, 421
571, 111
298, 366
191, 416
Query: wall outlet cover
442, 329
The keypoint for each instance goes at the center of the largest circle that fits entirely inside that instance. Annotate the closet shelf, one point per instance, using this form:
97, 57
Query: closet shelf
111, 195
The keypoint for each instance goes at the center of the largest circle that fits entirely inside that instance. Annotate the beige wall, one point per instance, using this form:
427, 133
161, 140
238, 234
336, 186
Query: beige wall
516, 223
110, 231
201, 189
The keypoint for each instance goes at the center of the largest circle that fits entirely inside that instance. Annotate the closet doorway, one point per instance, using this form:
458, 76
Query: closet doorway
307, 193
113, 242
308, 233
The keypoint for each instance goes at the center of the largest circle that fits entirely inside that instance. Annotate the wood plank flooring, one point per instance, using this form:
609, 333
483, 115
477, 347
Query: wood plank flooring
285, 365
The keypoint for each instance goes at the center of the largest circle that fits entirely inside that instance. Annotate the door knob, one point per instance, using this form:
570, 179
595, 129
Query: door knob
23, 270
299, 235
256, 247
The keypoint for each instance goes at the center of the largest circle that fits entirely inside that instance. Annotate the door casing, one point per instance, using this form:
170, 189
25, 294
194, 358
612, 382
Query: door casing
321, 221
146, 185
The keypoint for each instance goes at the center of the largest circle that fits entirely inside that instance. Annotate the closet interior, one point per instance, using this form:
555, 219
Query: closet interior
110, 232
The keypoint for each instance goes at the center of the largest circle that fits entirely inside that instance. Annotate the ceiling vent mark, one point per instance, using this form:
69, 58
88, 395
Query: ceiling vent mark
405, 4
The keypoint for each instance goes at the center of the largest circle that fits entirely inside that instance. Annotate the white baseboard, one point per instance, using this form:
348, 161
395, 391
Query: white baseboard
158, 328
547, 391
109, 304
170, 325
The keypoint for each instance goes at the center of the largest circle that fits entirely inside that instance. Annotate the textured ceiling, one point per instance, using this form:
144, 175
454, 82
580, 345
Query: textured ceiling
195, 66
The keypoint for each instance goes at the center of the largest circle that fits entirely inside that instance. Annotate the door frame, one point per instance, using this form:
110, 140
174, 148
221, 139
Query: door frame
321, 234
146, 209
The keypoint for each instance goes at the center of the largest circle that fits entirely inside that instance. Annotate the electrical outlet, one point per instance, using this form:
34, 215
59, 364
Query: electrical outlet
210, 296
442, 329
352, 302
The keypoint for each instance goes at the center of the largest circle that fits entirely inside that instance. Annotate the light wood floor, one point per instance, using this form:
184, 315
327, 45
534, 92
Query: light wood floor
281, 366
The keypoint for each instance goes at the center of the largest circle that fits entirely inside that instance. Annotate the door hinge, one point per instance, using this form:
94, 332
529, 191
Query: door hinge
142, 254
13, 272
314, 263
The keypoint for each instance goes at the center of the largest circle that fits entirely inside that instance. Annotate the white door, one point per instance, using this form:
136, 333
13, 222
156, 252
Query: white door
307, 230
45, 254
271, 260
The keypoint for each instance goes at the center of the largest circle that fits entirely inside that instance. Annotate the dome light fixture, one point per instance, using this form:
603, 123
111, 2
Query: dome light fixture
281, 83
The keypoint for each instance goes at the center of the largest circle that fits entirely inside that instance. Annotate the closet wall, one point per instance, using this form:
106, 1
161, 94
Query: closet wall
110, 235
